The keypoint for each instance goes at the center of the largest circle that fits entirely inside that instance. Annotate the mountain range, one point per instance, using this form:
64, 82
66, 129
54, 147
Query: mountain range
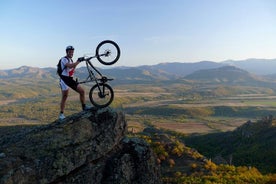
228, 71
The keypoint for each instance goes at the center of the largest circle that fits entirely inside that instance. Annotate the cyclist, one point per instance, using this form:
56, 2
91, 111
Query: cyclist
66, 80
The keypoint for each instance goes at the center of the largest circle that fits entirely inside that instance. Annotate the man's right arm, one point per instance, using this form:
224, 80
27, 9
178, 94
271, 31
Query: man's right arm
72, 65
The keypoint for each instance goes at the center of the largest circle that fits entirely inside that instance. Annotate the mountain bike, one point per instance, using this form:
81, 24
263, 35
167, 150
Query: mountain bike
101, 94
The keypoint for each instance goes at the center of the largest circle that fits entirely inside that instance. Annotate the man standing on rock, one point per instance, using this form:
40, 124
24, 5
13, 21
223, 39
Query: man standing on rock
66, 80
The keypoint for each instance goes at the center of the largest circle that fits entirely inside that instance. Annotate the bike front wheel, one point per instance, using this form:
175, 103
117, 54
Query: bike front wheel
108, 52
101, 95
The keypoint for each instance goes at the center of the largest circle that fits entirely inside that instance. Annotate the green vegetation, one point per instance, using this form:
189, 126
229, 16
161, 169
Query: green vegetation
223, 174
182, 164
252, 144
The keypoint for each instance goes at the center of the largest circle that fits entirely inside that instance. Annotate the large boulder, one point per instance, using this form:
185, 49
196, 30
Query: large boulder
88, 147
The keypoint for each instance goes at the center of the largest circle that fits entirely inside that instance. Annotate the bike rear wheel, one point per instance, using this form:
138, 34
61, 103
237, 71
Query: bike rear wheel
108, 52
101, 95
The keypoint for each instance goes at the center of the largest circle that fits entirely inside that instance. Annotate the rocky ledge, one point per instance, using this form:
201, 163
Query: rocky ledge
88, 147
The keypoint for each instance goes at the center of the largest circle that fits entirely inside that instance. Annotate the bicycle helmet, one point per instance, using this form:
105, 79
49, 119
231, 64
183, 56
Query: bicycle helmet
69, 48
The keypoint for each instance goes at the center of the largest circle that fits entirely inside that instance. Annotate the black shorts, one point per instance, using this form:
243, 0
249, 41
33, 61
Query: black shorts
69, 81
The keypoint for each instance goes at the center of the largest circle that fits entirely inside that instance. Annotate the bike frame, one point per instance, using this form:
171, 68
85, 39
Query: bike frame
91, 76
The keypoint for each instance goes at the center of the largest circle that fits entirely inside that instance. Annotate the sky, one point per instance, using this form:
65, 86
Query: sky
35, 33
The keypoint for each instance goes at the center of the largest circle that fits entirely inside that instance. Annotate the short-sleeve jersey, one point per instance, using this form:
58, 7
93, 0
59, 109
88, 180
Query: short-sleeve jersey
67, 71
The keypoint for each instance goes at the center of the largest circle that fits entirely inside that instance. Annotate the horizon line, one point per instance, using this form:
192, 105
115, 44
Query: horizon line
104, 66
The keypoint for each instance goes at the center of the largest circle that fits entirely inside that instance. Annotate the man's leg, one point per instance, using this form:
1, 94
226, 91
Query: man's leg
81, 91
77, 87
64, 94
63, 99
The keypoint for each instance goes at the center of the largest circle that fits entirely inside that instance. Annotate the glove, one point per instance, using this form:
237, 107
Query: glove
80, 59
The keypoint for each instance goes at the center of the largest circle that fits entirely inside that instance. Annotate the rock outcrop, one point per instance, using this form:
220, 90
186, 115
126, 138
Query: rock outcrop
89, 147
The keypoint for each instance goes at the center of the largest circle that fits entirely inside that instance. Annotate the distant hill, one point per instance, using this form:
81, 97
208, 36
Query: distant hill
163, 71
26, 72
256, 66
213, 71
130, 74
182, 69
226, 75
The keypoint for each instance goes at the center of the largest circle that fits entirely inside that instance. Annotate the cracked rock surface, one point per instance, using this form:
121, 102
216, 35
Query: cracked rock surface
88, 147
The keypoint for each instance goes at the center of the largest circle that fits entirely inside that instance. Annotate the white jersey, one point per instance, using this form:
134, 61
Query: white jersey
69, 72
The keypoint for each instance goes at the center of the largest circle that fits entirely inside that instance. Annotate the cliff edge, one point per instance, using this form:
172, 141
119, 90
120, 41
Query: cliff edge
88, 147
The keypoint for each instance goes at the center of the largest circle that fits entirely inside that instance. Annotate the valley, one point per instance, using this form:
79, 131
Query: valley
175, 107
192, 113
